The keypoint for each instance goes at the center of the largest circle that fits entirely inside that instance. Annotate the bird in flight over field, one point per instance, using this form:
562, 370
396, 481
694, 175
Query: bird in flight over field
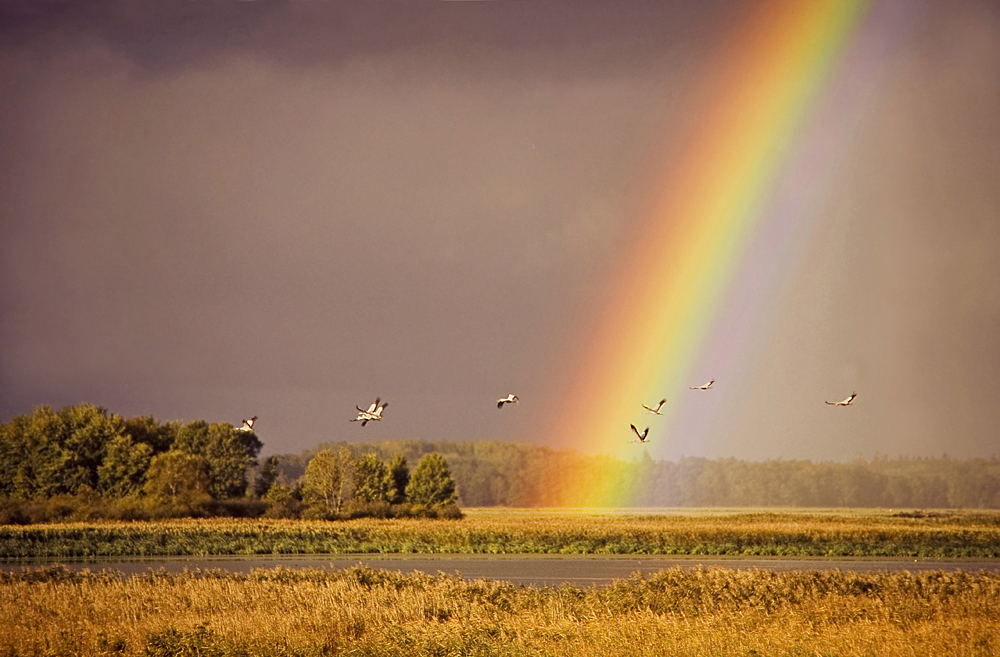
248, 424
655, 411
704, 387
844, 402
509, 399
641, 436
373, 414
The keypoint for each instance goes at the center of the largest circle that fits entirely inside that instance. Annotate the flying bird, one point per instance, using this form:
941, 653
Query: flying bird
844, 402
641, 436
655, 411
509, 399
704, 387
373, 414
248, 424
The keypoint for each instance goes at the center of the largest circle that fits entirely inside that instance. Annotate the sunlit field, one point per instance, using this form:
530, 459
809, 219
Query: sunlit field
361, 611
366, 612
558, 531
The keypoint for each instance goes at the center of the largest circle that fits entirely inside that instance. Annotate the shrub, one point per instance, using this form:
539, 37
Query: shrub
431, 483
281, 503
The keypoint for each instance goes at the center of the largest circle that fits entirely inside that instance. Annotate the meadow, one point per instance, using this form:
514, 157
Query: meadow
361, 612
504, 531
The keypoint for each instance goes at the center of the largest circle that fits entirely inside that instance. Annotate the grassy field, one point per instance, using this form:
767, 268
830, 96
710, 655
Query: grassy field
504, 531
366, 612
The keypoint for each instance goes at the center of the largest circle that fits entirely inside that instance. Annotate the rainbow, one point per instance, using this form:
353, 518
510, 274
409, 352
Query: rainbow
726, 215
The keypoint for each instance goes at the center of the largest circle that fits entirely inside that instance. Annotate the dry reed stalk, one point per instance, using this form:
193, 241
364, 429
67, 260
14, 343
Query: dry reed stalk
672, 613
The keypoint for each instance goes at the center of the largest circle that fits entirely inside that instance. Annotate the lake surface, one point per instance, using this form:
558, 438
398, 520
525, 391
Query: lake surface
529, 570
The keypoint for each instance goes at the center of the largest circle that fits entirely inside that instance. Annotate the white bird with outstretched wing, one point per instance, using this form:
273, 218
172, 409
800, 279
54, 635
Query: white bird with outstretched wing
844, 402
641, 437
509, 399
655, 411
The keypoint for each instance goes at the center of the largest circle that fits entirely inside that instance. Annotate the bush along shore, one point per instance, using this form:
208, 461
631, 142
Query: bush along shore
768, 533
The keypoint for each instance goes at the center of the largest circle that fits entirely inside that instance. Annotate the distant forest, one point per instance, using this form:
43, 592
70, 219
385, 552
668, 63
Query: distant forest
82, 461
493, 473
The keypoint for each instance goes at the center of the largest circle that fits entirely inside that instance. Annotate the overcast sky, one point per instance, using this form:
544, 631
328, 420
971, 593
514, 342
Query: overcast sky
216, 210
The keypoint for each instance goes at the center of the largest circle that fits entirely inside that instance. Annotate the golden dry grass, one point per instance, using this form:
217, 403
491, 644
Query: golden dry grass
365, 612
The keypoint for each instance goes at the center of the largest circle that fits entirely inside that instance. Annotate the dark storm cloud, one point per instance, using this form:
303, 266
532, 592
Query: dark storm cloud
211, 210
294, 207
163, 35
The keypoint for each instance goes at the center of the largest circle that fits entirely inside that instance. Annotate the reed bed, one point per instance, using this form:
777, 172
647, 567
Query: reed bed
765, 533
360, 611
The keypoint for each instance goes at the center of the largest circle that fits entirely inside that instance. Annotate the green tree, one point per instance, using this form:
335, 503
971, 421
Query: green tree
228, 452
146, 429
321, 490
89, 429
268, 475
329, 481
431, 483
374, 481
178, 479
123, 470
14, 457
282, 502
400, 473
54, 453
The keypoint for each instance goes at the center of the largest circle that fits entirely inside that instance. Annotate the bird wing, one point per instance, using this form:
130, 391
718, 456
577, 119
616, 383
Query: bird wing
500, 403
371, 409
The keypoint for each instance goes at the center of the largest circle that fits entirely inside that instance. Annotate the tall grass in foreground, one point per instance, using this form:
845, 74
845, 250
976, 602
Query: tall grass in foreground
360, 611
777, 533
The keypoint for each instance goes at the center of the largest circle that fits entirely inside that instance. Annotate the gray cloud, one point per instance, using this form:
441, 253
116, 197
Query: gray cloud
212, 210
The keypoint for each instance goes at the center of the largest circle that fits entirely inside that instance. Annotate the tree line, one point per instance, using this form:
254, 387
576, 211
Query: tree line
83, 462
496, 473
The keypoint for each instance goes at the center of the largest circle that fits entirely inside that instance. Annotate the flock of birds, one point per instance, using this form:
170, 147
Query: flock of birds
643, 437
374, 412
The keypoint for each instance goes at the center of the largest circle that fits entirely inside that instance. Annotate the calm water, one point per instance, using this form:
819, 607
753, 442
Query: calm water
533, 570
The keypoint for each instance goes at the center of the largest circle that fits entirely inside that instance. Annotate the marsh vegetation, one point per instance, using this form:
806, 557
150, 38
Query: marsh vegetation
360, 611
488, 531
